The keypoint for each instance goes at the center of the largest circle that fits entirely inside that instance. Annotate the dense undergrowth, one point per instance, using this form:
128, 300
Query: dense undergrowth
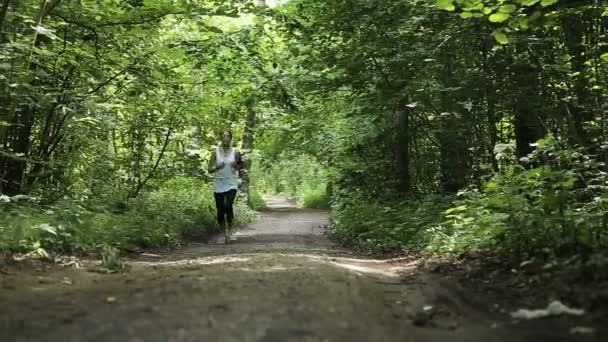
182, 208
551, 205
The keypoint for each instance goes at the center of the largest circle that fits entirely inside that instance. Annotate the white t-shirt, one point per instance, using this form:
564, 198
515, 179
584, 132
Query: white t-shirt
226, 178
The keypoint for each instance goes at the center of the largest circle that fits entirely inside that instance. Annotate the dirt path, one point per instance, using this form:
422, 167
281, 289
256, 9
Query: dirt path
283, 280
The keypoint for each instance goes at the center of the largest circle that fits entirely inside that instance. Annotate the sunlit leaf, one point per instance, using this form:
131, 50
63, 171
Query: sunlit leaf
529, 2
447, 5
41, 30
499, 17
507, 8
501, 38
47, 228
546, 3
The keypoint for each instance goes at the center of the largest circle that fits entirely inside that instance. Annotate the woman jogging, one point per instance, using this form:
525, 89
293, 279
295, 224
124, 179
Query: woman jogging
225, 162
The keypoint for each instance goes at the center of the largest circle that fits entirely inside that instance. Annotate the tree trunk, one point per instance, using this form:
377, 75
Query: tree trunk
19, 134
527, 121
454, 154
575, 28
3, 11
454, 163
248, 142
402, 148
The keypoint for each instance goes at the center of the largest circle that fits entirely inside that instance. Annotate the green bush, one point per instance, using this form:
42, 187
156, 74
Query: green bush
385, 225
557, 207
257, 202
315, 198
182, 208
553, 206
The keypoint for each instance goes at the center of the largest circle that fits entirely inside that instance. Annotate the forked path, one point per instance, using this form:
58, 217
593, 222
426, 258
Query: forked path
281, 281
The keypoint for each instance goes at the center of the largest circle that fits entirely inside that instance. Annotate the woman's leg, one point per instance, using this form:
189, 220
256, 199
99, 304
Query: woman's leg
220, 200
230, 196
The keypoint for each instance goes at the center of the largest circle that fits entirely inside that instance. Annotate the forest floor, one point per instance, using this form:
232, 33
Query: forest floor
282, 280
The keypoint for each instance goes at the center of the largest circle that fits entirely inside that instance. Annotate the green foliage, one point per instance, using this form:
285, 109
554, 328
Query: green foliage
554, 207
110, 259
109, 112
514, 15
290, 173
385, 225
182, 208
316, 197
257, 202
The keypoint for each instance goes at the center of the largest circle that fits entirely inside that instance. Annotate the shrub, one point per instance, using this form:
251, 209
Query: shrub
385, 225
182, 208
257, 202
315, 198
554, 208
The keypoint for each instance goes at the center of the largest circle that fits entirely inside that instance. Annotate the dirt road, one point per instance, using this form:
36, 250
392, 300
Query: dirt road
281, 281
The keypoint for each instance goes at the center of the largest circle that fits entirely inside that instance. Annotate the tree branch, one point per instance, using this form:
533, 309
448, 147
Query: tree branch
141, 184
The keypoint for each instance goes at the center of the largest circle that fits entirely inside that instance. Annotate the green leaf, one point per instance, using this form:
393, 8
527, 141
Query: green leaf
502, 38
456, 209
41, 30
499, 17
486, 10
466, 15
447, 5
43, 52
475, 7
214, 29
529, 2
546, 3
48, 228
507, 8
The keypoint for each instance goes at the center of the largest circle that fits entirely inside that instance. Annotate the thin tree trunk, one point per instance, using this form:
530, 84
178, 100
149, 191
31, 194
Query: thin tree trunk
3, 11
452, 140
402, 148
575, 27
14, 168
248, 143
528, 124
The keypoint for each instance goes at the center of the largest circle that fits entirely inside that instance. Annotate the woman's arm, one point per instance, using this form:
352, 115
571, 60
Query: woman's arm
212, 167
238, 160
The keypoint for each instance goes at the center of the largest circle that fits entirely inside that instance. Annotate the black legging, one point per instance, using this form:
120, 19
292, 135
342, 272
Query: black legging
223, 204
